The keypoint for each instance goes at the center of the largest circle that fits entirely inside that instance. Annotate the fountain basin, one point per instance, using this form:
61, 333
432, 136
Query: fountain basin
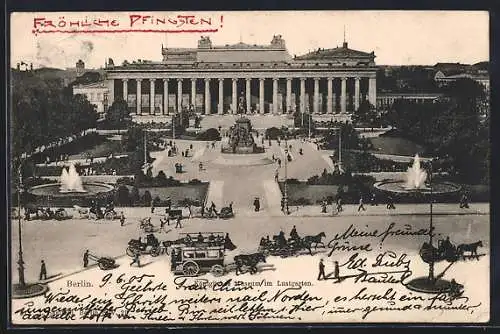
50, 194
401, 187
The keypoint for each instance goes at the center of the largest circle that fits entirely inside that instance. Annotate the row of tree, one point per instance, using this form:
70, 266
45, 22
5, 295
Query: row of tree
452, 128
44, 110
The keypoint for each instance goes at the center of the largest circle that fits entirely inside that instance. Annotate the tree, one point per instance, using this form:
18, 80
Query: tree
44, 110
450, 128
122, 196
366, 114
118, 115
134, 195
302, 120
350, 138
146, 198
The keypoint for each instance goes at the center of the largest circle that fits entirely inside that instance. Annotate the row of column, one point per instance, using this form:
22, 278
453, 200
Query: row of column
343, 94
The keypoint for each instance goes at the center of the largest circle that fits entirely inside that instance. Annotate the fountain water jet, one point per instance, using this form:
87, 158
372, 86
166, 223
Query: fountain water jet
71, 181
415, 176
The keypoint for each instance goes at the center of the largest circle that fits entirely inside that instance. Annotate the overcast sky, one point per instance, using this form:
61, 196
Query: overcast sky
396, 37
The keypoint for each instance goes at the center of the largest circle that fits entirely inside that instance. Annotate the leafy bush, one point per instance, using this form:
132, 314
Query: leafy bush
299, 202
273, 133
188, 201
211, 134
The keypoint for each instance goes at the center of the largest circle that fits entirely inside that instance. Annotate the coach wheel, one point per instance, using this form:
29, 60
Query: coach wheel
155, 251
130, 252
190, 268
217, 270
109, 216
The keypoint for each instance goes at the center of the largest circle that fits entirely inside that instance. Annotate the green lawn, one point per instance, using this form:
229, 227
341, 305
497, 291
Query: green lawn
396, 146
196, 192
101, 150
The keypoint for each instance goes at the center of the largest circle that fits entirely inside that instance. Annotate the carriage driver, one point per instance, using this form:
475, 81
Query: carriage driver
187, 239
293, 234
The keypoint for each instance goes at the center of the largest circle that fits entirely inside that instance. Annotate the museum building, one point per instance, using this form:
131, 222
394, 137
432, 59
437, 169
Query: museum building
244, 78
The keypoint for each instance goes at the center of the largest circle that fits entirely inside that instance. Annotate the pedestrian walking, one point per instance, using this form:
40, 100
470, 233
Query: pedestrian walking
178, 222
361, 205
136, 260
464, 201
122, 219
336, 271
390, 203
321, 274
339, 204
43, 271
324, 204
152, 207
276, 174
86, 259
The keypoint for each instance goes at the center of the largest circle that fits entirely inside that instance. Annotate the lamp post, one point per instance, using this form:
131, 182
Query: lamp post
145, 148
23, 290
285, 198
20, 262
431, 283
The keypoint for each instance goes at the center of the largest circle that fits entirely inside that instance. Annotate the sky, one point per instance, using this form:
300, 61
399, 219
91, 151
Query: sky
396, 37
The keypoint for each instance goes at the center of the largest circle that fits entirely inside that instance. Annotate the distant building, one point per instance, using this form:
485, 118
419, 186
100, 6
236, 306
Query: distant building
444, 78
386, 100
97, 93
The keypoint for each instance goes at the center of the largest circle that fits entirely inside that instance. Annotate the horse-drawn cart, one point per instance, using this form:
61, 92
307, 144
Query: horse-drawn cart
104, 263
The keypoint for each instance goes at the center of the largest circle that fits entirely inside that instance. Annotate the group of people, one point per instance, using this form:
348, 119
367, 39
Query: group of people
211, 240
281, 239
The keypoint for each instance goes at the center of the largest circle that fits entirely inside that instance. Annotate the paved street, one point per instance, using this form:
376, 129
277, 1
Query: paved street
62, 243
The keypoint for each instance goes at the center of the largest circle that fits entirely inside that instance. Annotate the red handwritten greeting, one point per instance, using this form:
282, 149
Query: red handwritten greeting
133, 23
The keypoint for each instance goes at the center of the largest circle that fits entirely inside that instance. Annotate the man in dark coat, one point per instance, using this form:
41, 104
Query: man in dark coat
86, 259
321, 274
43, 271
228, 244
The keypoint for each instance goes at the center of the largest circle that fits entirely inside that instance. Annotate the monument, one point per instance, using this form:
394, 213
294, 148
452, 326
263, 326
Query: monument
240, 147
240, 139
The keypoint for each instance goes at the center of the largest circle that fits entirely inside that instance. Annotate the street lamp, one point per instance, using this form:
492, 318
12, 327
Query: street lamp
23, 290
20, 262
430, 283
285, 199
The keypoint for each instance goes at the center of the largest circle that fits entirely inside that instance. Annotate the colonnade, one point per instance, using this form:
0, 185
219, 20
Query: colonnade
331, 96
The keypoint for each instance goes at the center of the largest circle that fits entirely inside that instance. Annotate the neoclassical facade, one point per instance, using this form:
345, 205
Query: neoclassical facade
245, 78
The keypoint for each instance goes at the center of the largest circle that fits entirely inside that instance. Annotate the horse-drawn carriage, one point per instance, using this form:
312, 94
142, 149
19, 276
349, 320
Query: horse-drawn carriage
45, 213
446, 251
280, 246
96, 213
151, 247
205, 252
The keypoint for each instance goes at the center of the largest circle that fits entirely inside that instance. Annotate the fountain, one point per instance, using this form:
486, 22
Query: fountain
415, 183
70, 190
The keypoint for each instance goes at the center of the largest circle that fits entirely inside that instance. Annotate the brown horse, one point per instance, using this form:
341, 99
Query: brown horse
315, 239
250, 261
471, 248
